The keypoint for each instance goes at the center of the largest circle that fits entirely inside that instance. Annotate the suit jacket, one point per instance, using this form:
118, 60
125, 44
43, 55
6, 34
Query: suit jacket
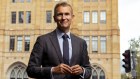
46, 54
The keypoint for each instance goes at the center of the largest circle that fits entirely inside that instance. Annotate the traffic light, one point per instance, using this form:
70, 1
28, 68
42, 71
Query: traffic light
127, 60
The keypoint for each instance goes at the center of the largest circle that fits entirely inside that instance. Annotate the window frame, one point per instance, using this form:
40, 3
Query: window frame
12, 43
94, 0
103, 16
19, 43
13, 17
28, 1
86, 0
95, 17
99, 72
21, 1
48, 16
13, 73
103, 44
21, 17
86, 17
87, 39
94, 44
28, 17
102, 0
27, 43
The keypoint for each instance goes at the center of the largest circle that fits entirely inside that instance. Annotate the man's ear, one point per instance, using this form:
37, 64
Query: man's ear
73, 16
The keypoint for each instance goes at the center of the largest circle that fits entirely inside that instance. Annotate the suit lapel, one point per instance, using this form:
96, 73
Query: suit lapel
74, 48
55, 43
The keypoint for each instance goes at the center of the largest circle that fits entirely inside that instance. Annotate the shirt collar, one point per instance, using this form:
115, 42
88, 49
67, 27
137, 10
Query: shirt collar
60, 33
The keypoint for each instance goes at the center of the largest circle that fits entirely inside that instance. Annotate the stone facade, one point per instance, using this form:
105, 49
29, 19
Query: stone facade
108, 62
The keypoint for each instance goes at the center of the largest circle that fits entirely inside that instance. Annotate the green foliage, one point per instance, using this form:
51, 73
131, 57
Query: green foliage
135, 44
138, 68
123, 76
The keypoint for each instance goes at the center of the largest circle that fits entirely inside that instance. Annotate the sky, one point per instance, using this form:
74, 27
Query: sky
129, 22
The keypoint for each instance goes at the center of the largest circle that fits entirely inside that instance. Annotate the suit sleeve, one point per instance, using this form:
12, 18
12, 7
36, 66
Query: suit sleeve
34, 69
85, 61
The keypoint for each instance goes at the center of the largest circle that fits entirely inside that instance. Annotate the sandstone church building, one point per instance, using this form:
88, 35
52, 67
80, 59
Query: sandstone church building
22, 21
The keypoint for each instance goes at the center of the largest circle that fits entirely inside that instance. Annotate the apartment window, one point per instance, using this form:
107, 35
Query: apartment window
13, 17
86, 38
94, 17
21, 16
86, 17
19, 43
28, 17
12, 43
28, 0
48, 16
86, 0
103, 44
27, 43
103, 17
94, 44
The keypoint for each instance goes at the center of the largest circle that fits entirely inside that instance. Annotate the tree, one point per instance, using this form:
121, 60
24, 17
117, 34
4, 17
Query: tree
123, 76
135, 45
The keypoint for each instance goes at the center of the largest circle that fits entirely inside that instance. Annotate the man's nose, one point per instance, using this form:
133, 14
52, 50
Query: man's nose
63, 16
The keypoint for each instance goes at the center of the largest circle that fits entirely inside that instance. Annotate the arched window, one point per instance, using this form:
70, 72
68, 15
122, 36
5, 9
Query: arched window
102, 75
18, 72
12, 76
94, 75
97, 72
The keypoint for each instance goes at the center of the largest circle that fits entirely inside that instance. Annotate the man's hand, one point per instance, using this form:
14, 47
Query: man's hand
65, 69
62, 69
77, 70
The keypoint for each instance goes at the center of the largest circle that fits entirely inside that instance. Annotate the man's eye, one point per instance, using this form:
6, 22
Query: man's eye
67, 14
59, 14
62, 14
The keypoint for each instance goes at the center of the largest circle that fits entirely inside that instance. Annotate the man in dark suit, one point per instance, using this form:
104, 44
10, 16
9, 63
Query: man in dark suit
60, 54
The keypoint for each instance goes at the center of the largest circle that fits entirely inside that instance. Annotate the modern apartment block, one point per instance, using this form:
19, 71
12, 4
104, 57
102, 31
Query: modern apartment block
22, 21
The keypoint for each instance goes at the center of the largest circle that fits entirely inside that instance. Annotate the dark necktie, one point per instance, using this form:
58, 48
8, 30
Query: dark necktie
65, 49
